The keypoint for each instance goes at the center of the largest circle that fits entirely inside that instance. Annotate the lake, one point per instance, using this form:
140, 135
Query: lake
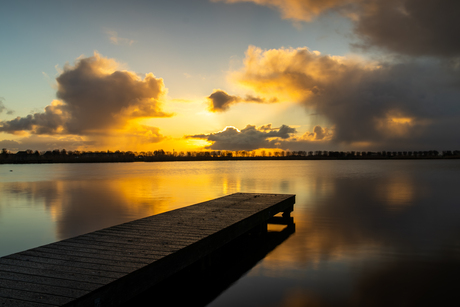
368, 233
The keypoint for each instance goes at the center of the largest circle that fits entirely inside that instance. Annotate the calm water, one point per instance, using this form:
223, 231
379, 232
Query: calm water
368, 233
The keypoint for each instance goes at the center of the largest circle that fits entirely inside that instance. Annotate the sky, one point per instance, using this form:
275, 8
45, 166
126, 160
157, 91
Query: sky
345, 75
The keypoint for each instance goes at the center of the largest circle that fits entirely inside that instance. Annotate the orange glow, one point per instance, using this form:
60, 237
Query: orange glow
395, 124
299, 10
398, 191
196, 144
401, 120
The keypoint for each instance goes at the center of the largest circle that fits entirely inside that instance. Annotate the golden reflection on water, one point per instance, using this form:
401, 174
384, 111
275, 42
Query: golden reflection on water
147, 196
398, 191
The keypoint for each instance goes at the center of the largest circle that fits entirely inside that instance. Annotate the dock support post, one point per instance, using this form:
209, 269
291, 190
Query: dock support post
287, 213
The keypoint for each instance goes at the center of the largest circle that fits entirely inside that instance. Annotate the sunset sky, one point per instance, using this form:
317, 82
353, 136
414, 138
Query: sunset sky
230, 75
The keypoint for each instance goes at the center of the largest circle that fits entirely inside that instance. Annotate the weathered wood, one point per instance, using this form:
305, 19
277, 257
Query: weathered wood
110, 266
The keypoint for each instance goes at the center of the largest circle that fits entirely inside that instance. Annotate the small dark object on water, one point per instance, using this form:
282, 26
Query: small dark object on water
11, 170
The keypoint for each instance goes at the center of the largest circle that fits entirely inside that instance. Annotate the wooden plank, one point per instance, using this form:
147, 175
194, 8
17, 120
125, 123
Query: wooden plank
135, 249
53, 268
108, 254
110, 266
7, 302
41, 280
66, 257
33, 259
45, 289
31, 296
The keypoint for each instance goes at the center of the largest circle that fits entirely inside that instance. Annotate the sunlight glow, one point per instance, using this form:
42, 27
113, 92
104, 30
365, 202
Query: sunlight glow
225, 129
401, 120
197, 143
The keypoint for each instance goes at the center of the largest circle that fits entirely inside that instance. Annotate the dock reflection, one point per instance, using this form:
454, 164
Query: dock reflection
201, 283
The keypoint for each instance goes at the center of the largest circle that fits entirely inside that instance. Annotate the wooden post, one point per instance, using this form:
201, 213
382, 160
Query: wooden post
287, 213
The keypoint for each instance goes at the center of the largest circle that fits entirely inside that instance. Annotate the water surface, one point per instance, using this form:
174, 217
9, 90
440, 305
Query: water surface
368, 233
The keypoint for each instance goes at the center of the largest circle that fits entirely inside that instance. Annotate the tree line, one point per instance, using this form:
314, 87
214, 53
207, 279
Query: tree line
64, 156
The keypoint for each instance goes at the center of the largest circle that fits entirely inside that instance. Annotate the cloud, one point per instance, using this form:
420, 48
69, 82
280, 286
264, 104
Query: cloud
3, 108
388, 104
116, 40
94, 96
98, 96
266, 136
43, 143
49, 122
220, 101
145, 134
249, 138
411, 27
318, 134
301, 10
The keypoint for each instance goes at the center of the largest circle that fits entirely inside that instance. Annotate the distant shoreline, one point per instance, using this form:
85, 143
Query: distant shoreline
13, 159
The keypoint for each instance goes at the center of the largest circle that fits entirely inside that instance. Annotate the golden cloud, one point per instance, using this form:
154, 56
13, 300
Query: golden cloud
318, 134
95, 95
97, 98
294, 74
302, 10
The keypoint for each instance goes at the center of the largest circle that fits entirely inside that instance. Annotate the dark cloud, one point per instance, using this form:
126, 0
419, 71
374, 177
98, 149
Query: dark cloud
319, 133
49, 122
249, 138
405, 104
267, 127
410, 27
95, 96
220, 101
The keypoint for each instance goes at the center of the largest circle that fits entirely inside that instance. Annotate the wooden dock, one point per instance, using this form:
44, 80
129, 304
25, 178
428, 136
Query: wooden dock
110, 266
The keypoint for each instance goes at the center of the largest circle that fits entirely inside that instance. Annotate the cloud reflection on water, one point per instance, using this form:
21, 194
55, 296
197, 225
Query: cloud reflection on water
386, 238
